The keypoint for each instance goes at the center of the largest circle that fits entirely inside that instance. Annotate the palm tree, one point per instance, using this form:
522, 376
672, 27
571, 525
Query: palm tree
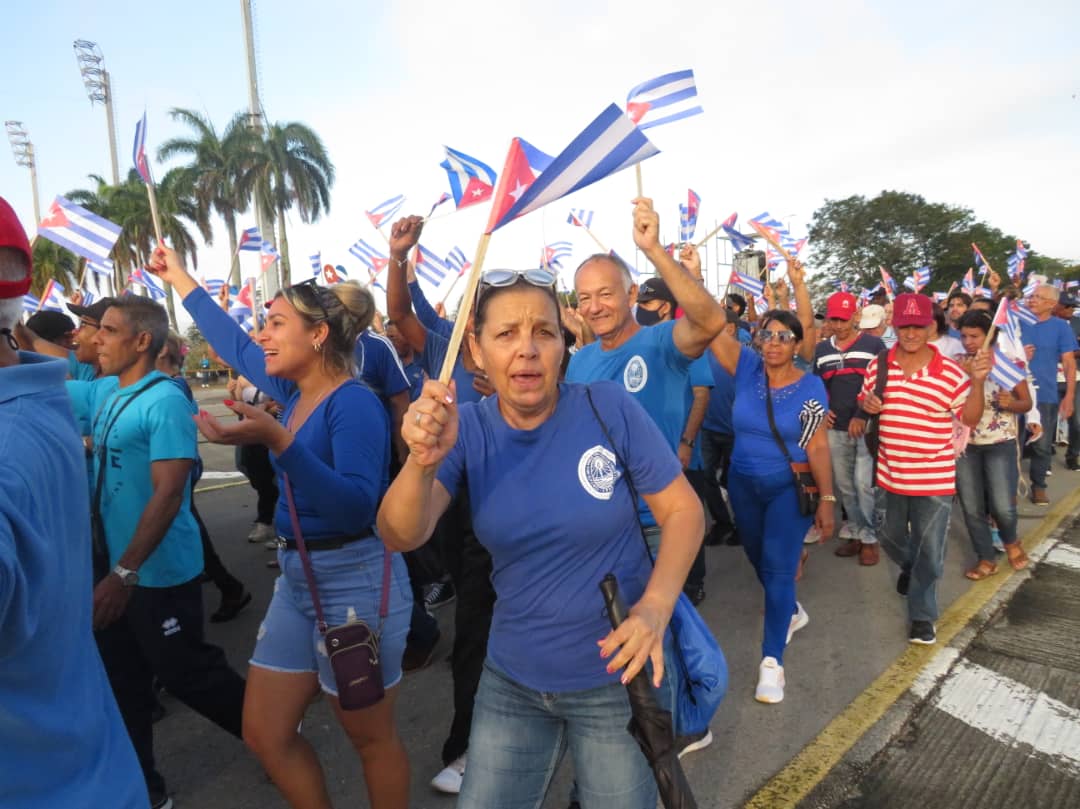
289, 166
53, 261
216, 166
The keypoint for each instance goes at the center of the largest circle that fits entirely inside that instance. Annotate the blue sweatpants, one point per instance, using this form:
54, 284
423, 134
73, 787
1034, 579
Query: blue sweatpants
772, 530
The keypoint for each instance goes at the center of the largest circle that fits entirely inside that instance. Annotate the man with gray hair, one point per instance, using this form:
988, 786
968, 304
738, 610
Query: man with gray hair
63, 739
148, 609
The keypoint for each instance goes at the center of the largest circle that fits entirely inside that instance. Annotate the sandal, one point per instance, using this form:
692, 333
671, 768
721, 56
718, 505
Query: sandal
1018, 557
983, 570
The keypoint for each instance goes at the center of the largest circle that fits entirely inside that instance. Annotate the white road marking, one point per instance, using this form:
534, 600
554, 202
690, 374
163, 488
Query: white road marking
1064, 556
1013, 713
210, 475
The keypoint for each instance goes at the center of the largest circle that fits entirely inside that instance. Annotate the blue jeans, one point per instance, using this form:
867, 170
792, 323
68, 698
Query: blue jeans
920, 550
772, 530
519, 736
852, 469
1073, 452
1041, 450
986, 479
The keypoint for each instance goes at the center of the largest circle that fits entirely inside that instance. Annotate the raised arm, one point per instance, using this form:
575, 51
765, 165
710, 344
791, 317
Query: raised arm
804, 309
704, 317
404, 236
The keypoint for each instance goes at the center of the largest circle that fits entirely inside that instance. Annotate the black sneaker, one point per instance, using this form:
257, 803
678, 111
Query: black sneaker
1072, 464
922, 632
416, 657
903, 581
695, 592
438, 595
160, 801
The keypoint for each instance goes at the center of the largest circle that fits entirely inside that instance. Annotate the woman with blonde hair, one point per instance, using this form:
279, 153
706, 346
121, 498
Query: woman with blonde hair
332, 447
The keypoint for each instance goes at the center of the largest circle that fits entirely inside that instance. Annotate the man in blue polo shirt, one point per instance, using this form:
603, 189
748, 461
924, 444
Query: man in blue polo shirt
148, 609
1048, 342
378, 367
62, 737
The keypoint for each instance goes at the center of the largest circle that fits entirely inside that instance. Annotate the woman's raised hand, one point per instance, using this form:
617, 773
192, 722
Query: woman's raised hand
166, 265
430, 426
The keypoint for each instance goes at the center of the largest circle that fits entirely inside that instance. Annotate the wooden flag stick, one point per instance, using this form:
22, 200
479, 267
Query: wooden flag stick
82, 277
462, 320
154, 213
637, 175
701, 244
593, 237
768, 236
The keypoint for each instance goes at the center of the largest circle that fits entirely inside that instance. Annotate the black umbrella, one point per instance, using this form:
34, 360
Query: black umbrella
650, 724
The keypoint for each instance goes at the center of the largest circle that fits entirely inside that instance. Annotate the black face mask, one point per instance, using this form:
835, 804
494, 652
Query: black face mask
647, 317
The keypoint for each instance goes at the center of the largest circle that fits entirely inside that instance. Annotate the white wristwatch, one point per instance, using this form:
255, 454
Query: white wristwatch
128, 578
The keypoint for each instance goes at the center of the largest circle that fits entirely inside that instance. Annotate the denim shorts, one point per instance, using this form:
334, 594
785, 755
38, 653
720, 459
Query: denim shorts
350, 588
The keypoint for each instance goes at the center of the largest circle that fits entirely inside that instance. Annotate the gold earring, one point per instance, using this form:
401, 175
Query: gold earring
317, 347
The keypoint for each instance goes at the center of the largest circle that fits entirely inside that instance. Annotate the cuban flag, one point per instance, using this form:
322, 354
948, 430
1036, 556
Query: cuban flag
1009, 341
1023, 314
887, 281
213, 286
429, 267
761, 306
983, 292
88, 297
968, 282
688, 215
52, 299
104, 268
30, 303
250, 239
268, 254
246, 295
940, 296
138, 152
444, 197
457, 261
739, 242
794, 246
663, 100
84, 233
555, 252
334, 274
767, 221
1072, 284
369, 256
316, 262
379, 215
580, 218
607, 145
751, 285
921, 277
1031, 287
524, 163
470, 180
147, 280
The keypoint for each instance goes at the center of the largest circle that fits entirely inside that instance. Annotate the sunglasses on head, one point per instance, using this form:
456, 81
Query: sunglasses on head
308, 293
784, 337
538, 277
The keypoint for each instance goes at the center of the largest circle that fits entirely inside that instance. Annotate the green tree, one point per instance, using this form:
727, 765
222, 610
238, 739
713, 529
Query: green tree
53, 261
216, 167
289, 166
853, 238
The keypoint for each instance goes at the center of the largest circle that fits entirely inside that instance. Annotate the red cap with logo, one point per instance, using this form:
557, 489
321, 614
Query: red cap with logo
840, 305
910, 309
13, 235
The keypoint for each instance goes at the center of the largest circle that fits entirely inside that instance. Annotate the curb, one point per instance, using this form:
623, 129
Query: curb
821, 772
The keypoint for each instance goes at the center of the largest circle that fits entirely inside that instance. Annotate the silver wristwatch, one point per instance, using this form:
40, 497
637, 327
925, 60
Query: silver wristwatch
128, 578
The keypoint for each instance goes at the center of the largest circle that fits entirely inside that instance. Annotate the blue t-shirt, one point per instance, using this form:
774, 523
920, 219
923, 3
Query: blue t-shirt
721, 398
1051, 339
414, 372
156, 426
798, 409
83, 371
700, 377
338, 460
650, 367
547, 568
63, 739
378, 365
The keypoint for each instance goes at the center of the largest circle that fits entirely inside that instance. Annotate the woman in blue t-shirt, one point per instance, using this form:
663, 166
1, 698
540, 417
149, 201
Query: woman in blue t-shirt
761, 484
547, 502
333, 447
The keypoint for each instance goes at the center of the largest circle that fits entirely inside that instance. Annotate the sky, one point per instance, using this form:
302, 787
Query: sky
968, 103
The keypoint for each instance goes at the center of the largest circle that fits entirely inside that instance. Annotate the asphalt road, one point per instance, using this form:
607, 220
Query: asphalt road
857, 629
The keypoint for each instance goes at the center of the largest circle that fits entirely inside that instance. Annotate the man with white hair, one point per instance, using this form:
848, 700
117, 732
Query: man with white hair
63, 739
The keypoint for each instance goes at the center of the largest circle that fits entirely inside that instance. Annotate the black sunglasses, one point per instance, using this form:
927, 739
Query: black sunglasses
307, 292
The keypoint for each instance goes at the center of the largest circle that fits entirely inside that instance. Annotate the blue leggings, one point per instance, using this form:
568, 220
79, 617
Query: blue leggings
772, 531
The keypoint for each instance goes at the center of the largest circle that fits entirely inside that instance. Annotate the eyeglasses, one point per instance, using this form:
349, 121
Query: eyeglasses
785, 337
538, 277
308, 293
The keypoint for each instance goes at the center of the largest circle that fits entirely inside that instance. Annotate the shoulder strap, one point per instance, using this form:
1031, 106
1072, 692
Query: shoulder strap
882, 373
772, 421
626, 472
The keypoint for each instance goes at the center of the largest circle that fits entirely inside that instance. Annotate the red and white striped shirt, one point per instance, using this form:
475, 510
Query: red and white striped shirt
916, 456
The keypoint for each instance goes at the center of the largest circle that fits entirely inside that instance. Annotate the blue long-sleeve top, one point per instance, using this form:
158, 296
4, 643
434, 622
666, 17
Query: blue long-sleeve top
437, 343
338, 461
426, 313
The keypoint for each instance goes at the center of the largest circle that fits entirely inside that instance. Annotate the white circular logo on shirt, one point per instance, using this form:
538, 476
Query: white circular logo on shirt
635, 375
597, 473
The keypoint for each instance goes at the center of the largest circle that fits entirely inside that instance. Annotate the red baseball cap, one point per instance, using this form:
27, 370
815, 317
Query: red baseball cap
910, 309
840, 305
13, 235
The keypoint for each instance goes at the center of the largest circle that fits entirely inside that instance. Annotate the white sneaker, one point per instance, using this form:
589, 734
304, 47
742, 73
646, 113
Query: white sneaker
261, 532
770, 684
798, 621
813, 536
450, 777
846, 531
693, 742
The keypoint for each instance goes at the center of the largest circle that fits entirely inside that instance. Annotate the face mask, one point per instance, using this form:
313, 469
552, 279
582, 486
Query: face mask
647, 317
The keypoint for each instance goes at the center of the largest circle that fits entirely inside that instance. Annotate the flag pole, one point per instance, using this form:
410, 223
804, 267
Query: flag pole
767, 235
462, 319
45, 294
450, 288
593, 237
154, 213
704, 241
637, 176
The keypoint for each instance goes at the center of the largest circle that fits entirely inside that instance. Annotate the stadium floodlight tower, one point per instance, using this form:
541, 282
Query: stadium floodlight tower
99, 90
23, 150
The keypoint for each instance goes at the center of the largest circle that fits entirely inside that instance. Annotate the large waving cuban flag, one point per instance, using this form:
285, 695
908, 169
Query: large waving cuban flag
609, 144
84, 233
470, 180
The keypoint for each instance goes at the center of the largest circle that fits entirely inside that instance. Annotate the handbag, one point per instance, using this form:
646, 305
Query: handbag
701, 676
805, 486
353, 648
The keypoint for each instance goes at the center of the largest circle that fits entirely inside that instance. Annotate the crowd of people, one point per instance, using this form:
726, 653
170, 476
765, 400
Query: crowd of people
646, 411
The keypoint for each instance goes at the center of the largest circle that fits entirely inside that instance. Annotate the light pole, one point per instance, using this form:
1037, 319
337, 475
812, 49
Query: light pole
99, 90
23, 150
